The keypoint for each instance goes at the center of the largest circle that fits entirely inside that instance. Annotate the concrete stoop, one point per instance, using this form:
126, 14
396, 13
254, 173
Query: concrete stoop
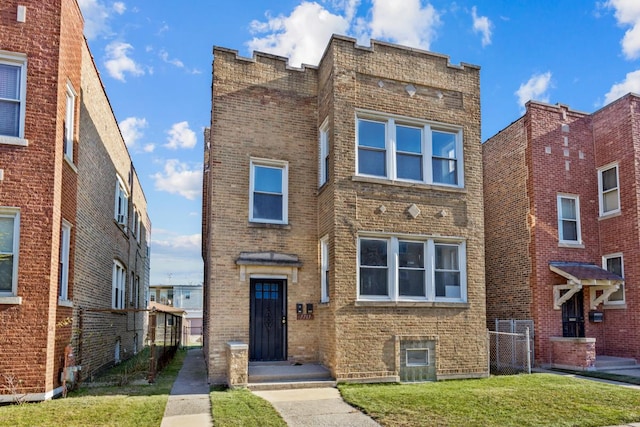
286, 375
612, 363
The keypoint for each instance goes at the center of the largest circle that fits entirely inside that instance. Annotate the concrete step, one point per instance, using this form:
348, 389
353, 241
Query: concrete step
290, 385
287, 372
612, 362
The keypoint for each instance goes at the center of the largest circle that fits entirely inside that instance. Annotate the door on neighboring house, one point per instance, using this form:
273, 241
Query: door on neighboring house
268, 320
573, 316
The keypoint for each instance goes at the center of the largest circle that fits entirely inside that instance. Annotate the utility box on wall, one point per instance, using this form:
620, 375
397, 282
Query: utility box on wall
596, 316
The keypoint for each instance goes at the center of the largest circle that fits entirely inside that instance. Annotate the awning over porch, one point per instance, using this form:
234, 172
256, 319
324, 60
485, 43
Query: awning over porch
580, 274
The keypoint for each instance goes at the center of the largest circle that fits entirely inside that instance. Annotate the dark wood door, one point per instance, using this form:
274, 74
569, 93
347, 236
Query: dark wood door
268, 320
573, 316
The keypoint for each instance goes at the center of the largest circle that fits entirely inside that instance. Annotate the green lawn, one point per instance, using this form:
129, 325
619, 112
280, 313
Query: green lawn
122, 406
521, 400
241, 408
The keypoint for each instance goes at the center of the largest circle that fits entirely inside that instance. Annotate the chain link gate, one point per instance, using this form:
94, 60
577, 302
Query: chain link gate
511, 347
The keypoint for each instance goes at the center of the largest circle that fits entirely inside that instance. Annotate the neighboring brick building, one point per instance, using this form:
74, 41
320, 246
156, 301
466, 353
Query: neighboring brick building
561, 217
46, 201
343, 214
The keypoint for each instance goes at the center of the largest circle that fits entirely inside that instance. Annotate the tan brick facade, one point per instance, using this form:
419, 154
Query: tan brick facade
553, 151
263, 109
46, 187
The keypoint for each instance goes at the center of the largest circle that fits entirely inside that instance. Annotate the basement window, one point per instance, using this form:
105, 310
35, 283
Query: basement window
418, 357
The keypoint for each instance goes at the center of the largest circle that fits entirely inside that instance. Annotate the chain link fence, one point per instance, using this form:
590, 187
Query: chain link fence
509, 352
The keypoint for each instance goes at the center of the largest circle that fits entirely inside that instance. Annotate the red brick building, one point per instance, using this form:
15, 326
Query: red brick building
561, 218
45, 178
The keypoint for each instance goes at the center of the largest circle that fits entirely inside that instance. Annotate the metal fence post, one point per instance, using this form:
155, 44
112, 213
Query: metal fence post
526, 335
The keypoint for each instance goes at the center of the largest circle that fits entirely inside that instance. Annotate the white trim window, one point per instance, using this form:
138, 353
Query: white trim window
63, 274
417, 357
13, 92
406, 149
609, 190
118, 285
121, 210
268, 198
324, 269
323, 169
615, 264
569, 219
9, 250
136, 223
399, 268
69, 122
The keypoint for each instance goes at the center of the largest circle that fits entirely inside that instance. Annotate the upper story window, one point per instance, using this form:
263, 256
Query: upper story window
13, 79
615, 264
402, 269
63, 274
9, 248
268, 198
324, 269
118, 285
569, 219
608, 190
409, 150
136, 224
323, 170
121, 211
69, 122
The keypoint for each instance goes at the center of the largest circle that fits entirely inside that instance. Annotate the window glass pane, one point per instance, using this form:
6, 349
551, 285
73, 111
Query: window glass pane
411, 254
409, 139
6, 273
373, 281
6, 234
444, 171
617, 295
409, 166
9, 118
267, 180
444, 144
267, 206
569, 230
447, 284
568, 208
614, 265
371, 162
411, 283
446, 257
610, 201
373, 252
417, 357
371, 134
9, 81
609, 179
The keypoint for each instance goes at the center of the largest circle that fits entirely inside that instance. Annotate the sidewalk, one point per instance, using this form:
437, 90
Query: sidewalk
189, 403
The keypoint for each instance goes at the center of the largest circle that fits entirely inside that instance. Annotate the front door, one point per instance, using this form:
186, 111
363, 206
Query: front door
573, 316
268, 320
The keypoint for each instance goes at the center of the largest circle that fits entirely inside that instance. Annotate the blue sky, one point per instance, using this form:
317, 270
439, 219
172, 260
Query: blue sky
155, 61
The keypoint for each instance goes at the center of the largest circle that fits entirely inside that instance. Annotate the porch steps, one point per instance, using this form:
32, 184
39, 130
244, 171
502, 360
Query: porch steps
285, 375
612, 363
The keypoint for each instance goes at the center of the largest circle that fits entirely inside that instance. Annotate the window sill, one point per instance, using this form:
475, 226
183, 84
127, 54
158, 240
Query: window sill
571, 245
65, 303
70, 163
622, 306
421, 304
11, 300
609, 215
12, 140
269, 225
398, 183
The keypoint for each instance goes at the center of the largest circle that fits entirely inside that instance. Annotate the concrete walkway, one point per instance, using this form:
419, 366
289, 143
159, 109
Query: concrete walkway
315, 407
189, 403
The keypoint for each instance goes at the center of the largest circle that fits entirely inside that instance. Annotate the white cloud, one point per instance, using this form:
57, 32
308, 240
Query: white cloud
189, 243
535, 88
406, 22
177, 178
301, 36
95, 16
164, 55
630, 84
148, 148
627, 13
119, 7
482, 25
118, 62
131, 129
180, 136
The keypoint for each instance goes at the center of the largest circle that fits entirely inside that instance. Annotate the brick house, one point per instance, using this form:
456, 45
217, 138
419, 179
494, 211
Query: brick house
561, 220
343, 215
51, 196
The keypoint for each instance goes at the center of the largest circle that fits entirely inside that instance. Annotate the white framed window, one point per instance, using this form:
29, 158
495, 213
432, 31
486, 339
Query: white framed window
411, 268
609, 190
118, 285
615, 264
417, 357
121, 210
65, 243
69, 122
405, 149
324, 269
13, 91
9, 251
324, 154
569, 219
268, 198
136, 224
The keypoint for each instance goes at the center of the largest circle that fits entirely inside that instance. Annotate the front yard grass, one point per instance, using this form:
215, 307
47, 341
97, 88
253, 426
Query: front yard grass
241, 408
521, 400
123, 406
